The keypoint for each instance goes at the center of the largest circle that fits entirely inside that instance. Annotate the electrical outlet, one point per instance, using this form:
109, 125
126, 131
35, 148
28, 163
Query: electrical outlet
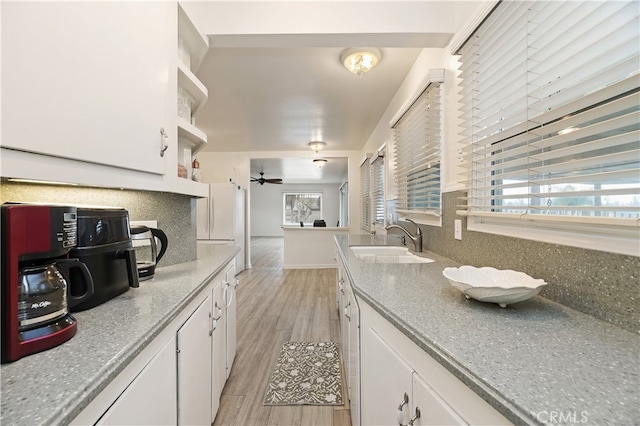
457, 229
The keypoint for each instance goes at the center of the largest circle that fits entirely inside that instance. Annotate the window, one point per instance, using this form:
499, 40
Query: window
551, 102
417, 154
372, 201
302, 207
377, 188
365, 195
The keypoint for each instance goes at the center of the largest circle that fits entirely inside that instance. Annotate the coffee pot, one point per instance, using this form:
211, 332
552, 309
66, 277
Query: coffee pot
145, 243
40, 281
46, 291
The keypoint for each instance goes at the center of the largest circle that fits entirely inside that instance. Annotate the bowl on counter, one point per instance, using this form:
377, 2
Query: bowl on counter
488, 284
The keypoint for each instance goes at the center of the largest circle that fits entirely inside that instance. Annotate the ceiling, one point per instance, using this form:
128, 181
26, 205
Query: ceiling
278, 93
301, 170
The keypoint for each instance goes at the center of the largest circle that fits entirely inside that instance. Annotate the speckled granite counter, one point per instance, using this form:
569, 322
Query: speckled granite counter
53, 386
535, 361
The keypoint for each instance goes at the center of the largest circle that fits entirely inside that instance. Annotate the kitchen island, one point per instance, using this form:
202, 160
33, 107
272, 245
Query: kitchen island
535, 362
53, 387
310, 247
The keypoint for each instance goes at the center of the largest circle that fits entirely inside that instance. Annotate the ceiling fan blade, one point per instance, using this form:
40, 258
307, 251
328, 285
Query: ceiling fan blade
261, 180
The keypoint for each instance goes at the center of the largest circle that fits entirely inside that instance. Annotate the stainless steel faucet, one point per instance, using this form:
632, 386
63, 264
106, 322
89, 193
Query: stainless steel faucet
417, 239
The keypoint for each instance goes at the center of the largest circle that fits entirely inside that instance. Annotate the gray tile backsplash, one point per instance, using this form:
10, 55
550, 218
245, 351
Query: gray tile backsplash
603, 285
175, 214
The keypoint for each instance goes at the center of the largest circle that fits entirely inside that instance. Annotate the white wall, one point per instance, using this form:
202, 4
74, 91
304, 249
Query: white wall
266, 206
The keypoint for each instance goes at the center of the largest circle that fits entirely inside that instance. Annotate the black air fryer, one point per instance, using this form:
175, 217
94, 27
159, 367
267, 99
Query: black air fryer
104, 245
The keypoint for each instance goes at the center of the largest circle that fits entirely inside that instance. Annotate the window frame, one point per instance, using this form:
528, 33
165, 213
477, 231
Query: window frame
378, 179
365, 194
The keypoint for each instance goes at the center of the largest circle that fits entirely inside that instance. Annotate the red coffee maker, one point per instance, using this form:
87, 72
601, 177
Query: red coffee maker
36, 278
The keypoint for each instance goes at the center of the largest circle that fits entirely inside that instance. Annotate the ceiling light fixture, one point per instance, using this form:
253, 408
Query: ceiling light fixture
316, 146
360, 60
320, 162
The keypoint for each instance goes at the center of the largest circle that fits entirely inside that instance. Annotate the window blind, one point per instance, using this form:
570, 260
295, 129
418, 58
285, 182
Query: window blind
417, 154
551, 112
365, 195
377, 188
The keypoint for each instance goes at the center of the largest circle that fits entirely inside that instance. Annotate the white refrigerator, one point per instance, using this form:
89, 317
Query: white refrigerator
221, 218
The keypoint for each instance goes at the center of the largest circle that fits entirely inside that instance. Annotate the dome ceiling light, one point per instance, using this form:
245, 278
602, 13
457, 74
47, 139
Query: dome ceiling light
320, 162
360, 60
316, 146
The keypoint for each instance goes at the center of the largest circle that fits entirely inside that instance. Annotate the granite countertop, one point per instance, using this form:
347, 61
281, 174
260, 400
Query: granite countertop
52, 387
529, 360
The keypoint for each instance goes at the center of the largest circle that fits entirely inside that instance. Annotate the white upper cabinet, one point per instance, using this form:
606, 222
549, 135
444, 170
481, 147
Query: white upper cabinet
88, 80
89, 94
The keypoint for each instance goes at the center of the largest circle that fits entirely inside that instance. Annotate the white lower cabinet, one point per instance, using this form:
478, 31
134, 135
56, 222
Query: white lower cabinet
396, 394
179, 377
231, 286
150, 398
386, 379
218, 347
194, 367
353, 350
349, 314
429, 408
403, 385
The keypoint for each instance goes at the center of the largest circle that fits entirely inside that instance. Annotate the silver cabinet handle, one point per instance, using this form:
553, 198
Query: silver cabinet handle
415, 417
164, 141
219, 312
404, 402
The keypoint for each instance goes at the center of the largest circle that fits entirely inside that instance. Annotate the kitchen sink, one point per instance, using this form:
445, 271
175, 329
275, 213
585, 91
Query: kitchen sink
387, 254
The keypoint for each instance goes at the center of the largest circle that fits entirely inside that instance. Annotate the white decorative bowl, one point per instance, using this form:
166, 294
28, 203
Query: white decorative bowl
493, 285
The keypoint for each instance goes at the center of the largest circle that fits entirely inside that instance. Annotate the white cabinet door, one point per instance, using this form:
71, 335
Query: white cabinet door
386, 381
349, 316
151, 398
392, 364
231, 307
219, 347
433, 409
194, 367
88, 80
339, 281
354, 357
344, 330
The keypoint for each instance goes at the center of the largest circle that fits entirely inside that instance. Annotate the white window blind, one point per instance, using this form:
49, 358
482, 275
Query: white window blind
365, 195
551, 111
417, 154
377, 188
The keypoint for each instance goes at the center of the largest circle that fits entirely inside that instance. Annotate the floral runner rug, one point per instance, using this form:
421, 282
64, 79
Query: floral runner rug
306, 373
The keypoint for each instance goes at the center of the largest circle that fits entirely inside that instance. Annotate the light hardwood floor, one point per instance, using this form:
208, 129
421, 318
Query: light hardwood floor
274, 306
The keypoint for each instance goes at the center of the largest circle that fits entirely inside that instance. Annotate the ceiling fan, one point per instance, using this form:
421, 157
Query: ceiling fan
261, 180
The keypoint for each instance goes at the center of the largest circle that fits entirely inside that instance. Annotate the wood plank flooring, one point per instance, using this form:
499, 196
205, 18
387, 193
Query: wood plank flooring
274, 306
